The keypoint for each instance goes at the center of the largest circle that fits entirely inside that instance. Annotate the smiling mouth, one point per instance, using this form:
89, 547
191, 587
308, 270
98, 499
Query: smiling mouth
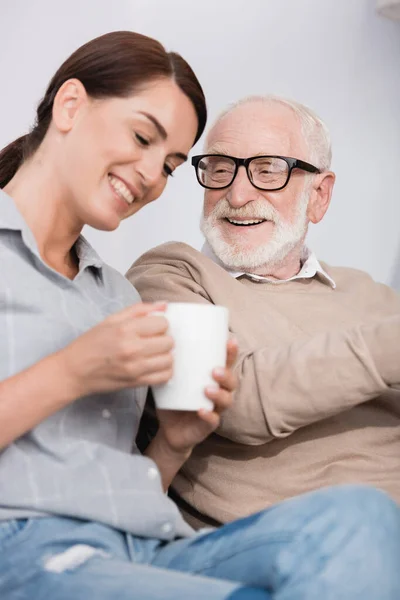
121, 189
246, 223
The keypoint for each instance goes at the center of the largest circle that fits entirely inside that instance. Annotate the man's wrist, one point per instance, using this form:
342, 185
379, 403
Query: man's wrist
165, 449
167, 459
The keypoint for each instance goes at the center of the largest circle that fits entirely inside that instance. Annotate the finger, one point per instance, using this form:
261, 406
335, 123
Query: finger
212, 418
153, 346
145, 308
154, 378
153, 325
225, 378
221, 398
153, 364
232, 350
148, 326
141, 309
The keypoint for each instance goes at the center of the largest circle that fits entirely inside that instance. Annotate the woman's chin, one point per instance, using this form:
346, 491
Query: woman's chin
108, 221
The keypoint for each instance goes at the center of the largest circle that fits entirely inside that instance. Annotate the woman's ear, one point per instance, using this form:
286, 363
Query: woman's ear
68, 101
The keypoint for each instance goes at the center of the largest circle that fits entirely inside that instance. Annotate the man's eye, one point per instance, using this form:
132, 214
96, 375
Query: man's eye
142, 141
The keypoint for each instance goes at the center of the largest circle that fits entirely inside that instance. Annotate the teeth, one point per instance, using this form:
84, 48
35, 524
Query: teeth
121, 189
253, 222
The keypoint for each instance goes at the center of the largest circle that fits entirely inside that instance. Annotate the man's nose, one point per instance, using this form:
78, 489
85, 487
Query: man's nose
241, 191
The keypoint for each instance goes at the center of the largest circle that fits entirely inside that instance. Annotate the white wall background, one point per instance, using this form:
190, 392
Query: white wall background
338, 56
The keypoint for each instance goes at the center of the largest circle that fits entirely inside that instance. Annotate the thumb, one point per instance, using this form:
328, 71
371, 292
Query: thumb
232, 353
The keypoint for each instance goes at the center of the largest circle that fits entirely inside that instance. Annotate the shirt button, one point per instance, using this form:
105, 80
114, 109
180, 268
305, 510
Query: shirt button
106, 414
152, 473
166, 528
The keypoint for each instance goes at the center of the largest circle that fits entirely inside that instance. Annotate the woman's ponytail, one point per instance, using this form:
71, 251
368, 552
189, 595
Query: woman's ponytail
11, 158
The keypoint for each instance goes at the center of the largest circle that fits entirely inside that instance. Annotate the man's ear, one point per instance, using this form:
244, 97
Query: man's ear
320, 196
69, 99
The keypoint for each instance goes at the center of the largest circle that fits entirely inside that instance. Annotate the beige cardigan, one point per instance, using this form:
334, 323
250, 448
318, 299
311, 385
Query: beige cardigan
319, 396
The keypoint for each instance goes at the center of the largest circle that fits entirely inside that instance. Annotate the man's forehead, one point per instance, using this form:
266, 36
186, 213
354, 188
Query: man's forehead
256, 128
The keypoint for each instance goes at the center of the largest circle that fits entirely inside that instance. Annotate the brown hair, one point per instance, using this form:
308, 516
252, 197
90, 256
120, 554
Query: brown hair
114, 64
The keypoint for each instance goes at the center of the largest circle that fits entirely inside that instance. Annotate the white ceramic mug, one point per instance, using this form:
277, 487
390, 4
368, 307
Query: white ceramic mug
200, 333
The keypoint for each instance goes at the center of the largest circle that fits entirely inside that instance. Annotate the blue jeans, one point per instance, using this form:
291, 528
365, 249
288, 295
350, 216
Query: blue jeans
338, 543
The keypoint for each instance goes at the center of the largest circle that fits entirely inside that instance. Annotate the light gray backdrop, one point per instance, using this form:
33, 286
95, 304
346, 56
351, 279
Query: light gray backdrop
338, 56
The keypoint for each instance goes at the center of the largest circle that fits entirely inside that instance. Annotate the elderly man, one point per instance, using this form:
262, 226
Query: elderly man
319, 365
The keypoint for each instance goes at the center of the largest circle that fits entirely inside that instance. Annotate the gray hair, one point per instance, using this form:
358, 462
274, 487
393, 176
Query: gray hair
314, 130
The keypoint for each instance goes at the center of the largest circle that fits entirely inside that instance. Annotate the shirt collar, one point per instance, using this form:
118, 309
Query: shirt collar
310, 267
11, 219
87, 255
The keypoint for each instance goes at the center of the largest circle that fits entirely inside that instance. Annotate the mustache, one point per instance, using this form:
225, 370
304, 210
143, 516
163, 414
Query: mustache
254, 210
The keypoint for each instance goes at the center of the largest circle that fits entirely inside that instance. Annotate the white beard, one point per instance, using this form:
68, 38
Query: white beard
285, 238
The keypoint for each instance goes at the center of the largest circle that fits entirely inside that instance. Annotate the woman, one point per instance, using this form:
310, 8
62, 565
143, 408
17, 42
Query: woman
81, 514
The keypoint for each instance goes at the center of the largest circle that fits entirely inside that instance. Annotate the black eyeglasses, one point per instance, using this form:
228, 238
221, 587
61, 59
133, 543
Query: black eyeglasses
268, 173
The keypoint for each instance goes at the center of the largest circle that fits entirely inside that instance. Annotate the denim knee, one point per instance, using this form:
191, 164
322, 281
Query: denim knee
367, 502
372, 510
351, 541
